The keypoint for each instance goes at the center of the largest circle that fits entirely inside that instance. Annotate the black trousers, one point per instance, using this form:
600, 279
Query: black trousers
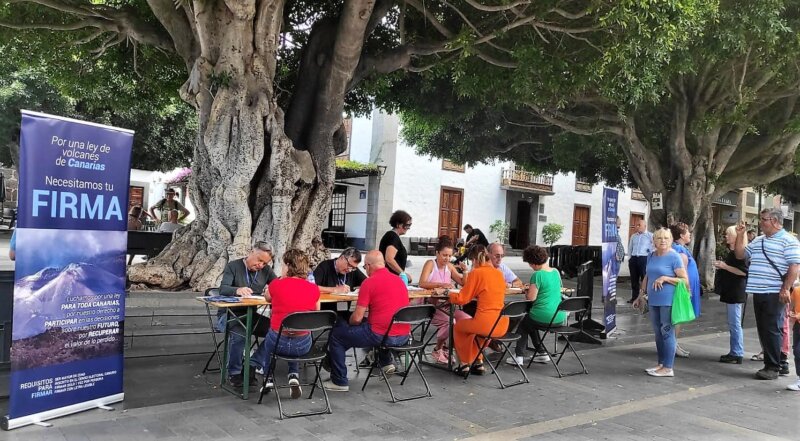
638, 269
528, 328
769, 312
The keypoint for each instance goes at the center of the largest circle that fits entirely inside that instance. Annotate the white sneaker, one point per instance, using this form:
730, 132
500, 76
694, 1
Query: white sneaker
516, 360
542, 358
331, 386
268, 386
794, 386
389, 369
294, 385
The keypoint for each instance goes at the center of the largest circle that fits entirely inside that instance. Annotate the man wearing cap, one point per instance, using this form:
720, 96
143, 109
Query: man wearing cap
164, 206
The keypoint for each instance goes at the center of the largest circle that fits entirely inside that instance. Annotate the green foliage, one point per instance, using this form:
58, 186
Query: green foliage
500, 229
551, 233
355, 166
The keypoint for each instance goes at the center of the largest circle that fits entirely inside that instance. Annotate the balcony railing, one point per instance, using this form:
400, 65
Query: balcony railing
525, 180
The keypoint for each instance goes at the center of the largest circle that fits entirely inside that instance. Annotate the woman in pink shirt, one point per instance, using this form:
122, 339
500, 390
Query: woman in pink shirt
439, 273
291, 293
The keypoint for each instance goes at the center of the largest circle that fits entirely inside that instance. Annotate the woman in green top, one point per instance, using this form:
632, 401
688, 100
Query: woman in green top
545, 291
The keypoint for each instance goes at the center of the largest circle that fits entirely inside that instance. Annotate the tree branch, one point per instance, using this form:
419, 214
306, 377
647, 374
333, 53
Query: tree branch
498, 8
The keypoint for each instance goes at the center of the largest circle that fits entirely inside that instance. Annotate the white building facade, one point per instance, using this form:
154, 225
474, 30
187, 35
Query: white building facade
441, 197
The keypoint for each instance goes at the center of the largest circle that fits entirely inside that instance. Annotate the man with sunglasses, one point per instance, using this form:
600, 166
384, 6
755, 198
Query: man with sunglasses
243, 278
496, 254
340, 275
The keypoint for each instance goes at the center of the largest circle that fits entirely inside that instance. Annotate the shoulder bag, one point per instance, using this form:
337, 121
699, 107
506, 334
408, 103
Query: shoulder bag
783, 276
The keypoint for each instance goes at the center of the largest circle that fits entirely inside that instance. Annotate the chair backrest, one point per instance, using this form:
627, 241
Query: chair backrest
516, 308
309, 321
212, 292
576, 304
414, 314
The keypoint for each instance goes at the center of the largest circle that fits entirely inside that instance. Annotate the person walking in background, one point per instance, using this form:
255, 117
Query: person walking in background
664, 271
681, 237
774, 266
640, 246
394, 253
730, 285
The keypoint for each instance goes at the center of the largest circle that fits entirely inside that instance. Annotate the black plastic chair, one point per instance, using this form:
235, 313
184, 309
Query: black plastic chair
579, 306
419, 317
512, 310
211, 292
320, 322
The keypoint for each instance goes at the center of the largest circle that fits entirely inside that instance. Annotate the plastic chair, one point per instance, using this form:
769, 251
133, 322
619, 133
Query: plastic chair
419, 317
580, 306
512, 310
320, 322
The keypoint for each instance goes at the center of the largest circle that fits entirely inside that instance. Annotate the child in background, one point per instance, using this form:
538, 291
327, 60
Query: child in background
794, 314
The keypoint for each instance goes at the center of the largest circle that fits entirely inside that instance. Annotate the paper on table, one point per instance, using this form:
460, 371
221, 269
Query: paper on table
415, 288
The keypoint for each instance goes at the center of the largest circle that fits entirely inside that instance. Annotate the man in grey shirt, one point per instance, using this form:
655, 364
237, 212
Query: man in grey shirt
243, 278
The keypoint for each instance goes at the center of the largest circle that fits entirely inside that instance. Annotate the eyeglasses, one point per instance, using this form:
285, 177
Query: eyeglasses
769, 219
498, 256
350, 265
407, 226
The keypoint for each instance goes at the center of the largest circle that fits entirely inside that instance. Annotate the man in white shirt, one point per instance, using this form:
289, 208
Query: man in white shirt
496, 254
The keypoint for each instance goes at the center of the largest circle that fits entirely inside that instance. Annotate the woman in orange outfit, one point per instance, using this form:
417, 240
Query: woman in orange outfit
485, 283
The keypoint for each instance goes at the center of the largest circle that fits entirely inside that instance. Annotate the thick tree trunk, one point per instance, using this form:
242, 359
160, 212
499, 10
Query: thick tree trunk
251, 181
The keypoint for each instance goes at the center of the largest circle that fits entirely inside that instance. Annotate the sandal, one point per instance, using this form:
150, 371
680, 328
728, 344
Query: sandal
477, 369
462, 370
757, 357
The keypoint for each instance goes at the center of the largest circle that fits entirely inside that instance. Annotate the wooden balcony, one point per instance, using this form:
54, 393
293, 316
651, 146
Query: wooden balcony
521, 180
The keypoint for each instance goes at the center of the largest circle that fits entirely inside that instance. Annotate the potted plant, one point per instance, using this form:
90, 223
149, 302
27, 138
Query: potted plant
500, 229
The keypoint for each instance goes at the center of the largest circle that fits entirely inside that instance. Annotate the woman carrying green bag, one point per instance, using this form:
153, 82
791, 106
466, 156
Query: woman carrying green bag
664, 270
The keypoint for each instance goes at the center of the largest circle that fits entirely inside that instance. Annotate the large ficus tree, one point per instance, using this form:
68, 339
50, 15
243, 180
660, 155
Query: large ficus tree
270, 80
697, 97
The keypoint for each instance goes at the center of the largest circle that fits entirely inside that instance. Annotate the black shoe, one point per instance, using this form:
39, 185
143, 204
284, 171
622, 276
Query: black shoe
326, 364
767, 374
252, 375
236, 380
784, 369
732, 359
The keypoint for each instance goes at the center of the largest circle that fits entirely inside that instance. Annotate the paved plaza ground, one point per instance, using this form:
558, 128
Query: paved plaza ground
167, 397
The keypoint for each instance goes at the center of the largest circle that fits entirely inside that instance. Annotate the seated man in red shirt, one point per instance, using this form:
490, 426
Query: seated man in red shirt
383, 294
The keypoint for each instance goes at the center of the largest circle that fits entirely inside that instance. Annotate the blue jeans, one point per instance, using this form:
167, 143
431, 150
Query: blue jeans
769, 312
289, 346
236, 339
735, 328
661, 318
344, 336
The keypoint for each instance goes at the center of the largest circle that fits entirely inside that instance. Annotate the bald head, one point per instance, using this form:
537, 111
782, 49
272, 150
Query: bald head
374, 261
496, 253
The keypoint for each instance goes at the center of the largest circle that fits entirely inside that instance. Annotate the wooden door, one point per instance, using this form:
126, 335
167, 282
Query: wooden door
580, 225
450, 204
523, 224
635, 218
136, 197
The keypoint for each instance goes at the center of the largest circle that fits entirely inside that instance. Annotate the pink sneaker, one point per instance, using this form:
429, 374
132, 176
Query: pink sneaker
440, 356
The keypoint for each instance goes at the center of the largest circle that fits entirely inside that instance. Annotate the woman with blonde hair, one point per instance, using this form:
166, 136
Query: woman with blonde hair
486, 285
730, 285
664, 270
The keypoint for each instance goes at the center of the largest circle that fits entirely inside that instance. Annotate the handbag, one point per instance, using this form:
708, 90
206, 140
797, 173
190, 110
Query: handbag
682, 310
